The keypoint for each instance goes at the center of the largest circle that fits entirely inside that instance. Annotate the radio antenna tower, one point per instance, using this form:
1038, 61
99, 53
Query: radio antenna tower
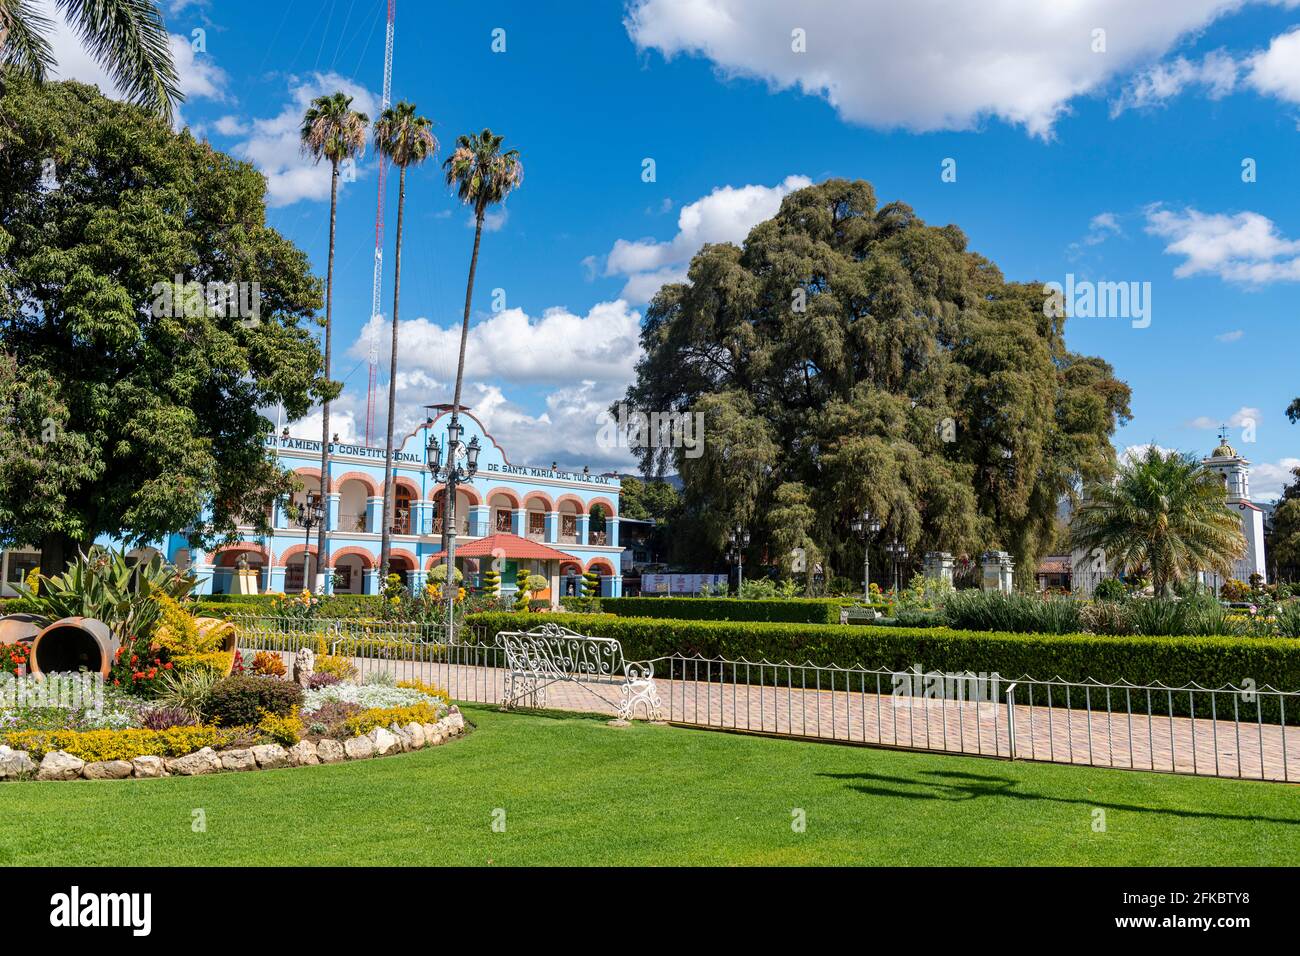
376, 312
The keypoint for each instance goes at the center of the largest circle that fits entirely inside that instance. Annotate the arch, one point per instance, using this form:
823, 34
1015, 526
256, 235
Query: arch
295, 551
501, 490
306, 471
570, 567
596, 563
405, 555
372, 486
235, 549
401, 481
466, 490
610, 510
566, 499
541, 496
368, 559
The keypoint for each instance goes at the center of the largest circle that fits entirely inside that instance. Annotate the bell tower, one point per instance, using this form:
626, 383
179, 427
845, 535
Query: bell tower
1235, 471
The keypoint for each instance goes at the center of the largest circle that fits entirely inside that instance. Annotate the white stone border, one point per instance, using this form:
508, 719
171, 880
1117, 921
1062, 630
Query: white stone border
380, 742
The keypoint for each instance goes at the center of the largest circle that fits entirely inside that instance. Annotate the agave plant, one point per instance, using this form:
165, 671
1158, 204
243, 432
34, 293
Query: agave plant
102, 584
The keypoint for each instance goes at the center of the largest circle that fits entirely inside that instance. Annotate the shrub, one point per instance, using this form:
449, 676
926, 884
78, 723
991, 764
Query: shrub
160, 718
217, 663
1288, 619
430, 690
317, 681
1109, 589
1106, 617
92, 745
187, 691
268, 664
243, 699
1017, 613
336, 666
330, 717
591, 584
136, 668
795, 610
286, 730
581, 605
368, 720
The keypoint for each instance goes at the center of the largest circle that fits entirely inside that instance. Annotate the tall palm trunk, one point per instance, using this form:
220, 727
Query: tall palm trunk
325, 413
389, 486
449, 510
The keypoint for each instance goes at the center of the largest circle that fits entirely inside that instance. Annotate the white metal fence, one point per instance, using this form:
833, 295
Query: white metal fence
1246, 731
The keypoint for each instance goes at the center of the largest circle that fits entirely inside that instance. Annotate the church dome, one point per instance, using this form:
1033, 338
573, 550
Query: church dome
1224, 450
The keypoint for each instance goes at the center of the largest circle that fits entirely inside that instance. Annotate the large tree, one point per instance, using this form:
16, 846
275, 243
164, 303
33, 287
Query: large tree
334, 131
846, 357
126, 37
407, 139
1164, 512
131, 403
1282, 544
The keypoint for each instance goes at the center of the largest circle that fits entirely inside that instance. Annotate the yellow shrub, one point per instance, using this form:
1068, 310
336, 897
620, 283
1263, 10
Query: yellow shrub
339, 666
433, 690
218, 662
368, 720
92, 745
283, 730
178, 633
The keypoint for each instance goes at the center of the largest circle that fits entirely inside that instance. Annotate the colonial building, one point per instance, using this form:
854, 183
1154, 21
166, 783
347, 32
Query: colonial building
550, 522
1235, 471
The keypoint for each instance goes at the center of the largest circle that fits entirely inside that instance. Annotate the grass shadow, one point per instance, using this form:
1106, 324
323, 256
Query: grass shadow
953, 785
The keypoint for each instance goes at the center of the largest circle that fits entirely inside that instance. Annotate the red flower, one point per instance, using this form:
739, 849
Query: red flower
167, 666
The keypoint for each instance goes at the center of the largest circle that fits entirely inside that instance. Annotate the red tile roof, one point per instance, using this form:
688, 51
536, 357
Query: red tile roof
512, 546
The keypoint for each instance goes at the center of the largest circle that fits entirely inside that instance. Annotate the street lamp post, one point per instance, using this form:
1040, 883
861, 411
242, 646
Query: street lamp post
311, 514
898, 552
451, 475
739, 539
866, 527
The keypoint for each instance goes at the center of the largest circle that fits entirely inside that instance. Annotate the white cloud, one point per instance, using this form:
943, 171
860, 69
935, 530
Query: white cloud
273, 144
1216, 73
1236, 420
1228, 337
231, 126
198, 73
579, 364
342, 423
493, 219
1267, 479
1276, 71
926, 64
724, 215
1245, 247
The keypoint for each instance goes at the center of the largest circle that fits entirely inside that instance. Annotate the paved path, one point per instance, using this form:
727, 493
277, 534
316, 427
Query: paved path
1107, 735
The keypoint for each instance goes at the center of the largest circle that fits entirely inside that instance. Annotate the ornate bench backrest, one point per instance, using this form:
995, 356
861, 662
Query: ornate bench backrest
557, 651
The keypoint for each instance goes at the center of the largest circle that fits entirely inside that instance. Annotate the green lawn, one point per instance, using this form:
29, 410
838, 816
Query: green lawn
578, 791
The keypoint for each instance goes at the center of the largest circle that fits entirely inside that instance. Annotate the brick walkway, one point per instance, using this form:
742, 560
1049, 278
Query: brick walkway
1096, 737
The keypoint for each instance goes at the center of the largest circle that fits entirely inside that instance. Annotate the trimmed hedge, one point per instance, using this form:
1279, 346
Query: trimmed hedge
787, 610
1175, 661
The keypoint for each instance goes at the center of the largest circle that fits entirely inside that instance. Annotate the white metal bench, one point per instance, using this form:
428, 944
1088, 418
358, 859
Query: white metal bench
550, 654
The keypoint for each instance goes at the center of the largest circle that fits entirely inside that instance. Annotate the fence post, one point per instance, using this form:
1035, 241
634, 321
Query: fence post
1011, 720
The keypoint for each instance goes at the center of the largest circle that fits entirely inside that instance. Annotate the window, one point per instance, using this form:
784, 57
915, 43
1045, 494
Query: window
536, 524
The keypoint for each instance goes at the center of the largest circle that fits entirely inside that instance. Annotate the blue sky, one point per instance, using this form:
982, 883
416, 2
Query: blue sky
1122, 163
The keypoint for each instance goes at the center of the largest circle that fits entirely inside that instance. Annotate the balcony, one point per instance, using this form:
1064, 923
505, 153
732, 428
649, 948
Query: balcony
597, 537
568, 529
349, 521
462, 522
536, 526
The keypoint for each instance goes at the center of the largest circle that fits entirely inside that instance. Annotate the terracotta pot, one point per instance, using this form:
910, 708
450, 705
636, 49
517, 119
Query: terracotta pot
214, 625
19, 628
71, 644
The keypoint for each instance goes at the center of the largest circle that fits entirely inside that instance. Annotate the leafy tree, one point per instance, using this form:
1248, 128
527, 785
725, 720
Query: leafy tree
874, 362
1165, 512
129, 410
643, 501
407, 139
1283, 542
126, 37
331, 130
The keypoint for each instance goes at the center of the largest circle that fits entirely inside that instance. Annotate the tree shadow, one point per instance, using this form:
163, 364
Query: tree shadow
956, 785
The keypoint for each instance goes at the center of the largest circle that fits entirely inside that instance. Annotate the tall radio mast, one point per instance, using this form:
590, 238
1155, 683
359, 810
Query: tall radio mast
376, 312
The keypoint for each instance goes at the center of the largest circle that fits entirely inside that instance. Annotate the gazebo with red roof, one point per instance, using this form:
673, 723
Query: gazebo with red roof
514, 548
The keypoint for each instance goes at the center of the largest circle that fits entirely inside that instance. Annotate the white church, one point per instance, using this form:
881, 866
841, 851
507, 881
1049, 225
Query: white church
1236, 479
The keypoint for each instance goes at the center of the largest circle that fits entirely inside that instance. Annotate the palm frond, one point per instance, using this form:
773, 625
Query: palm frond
23, 44
129, 39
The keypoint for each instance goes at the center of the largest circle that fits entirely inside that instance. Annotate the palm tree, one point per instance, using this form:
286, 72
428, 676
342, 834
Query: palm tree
483, 176
1164, 511
333, 130
126, 37
407, 140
